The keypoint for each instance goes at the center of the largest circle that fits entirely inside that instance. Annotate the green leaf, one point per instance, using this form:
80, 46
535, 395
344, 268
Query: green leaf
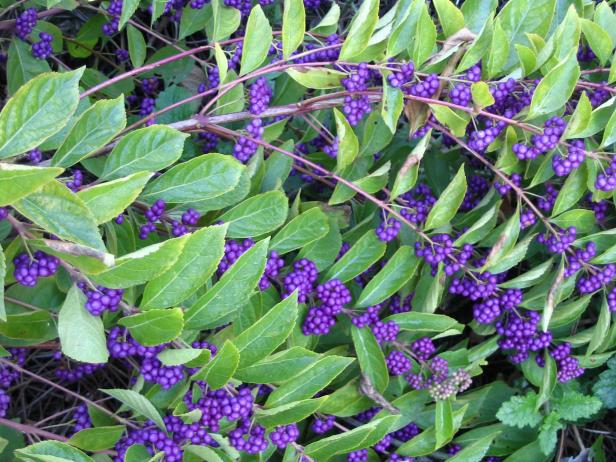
548, 433
519, 17
141, 266
448, 203
278, 367
17, 181
154, 327
499, 50
226, 20
455, 121
221, 62
293, 26
580, 218
38, 109
443, 423
107, 200
97, 439
609, 134
137, 403
32, 327
528, 278
477, 12
601, 328
268, 333
404, 26
362, 255
61, 212
329, 24
360, 437
257, 41
348, 144
370, 357
301, 231
361, 30
475, 451
128, 9
572, 191
137, 49
313, 379
573, 406
512, 257
480, 228
424, 443
548, 381
2, 279
232, 100
393, 104
481, 45
93, 130
51, 451
178, 356
424, 38
21, 66
196, 263
204, 177
450, 17
193, 20
316, 78
146, 149
556, 87
481, 95
599, 39
398, 270
605, 387
230, 292
407, 175
82, 336
220, 370
288, 413
425, 323
505, 241
520, 411
257, 215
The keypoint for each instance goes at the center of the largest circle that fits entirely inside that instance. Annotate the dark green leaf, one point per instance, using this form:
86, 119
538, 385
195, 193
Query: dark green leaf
201, 178
448, 203
370, 358
196, 263
363, 254
220, 370
61, 212
313, 379
38, 109
93, 130
257, 41
231, 291
361, 30
137, 403
146, 149
107, 200
301, 231
257, 215
82, 335
155, 327
97, 439
268, 333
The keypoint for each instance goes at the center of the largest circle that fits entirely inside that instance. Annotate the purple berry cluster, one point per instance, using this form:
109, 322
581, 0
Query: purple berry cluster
259, 96
357, 105
77, 182
245, 147
28, 270
388, 229
101, 299
42, 49
331, 298
114, 10
548, 140
25, 23
152, 216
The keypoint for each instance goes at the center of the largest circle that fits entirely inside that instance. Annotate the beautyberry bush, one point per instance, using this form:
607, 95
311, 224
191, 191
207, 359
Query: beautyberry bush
307, 230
